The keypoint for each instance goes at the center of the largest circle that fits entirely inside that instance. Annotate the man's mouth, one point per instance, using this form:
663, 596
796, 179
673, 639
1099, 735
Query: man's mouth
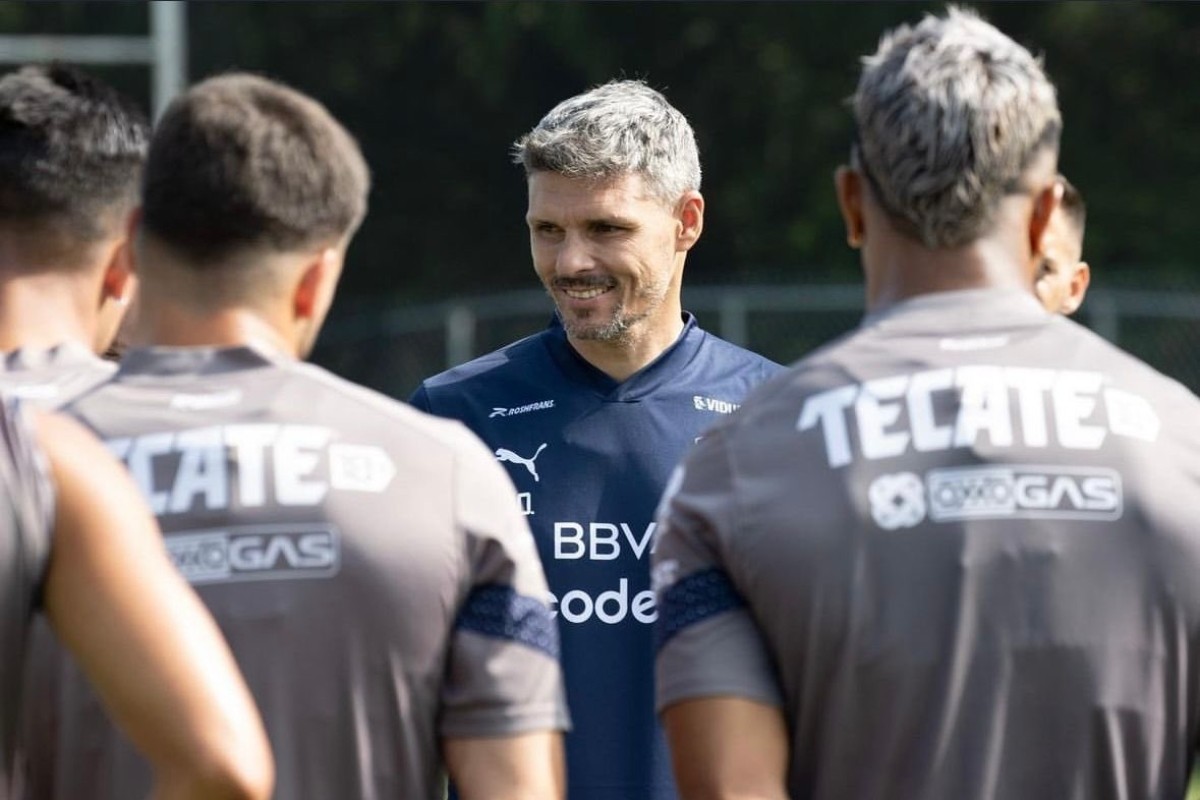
585, 293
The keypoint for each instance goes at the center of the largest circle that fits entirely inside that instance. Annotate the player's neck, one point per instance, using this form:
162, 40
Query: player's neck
647, 341
907, 269
165, 324
41, 310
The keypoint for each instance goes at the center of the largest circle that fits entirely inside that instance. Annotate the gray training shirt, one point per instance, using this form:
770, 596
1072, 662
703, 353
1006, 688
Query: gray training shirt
25, 535
960, 549
367, 563
52, 378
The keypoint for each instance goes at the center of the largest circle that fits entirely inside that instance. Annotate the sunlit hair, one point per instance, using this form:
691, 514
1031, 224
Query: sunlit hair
623, 127
240, 161
71, 152
949, 115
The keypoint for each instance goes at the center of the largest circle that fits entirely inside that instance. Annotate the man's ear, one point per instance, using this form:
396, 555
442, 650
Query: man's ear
847, 183
119, 281
314, 291
691, 221
1045, 203
1080, 278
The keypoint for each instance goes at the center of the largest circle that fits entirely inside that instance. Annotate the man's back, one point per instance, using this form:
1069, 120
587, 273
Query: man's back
981, 581
372, 576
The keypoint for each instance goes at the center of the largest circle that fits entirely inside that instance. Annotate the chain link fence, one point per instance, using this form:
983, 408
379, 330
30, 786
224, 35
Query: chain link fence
393, 350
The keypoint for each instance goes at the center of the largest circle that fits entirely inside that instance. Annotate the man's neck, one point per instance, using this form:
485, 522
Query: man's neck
905, 268
621, 359
171, 325
39, 311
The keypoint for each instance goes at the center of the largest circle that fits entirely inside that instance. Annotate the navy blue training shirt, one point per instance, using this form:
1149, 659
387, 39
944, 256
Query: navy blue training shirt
590, 458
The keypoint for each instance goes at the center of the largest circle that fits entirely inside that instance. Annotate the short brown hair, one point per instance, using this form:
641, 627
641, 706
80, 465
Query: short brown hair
71, 152
241, 161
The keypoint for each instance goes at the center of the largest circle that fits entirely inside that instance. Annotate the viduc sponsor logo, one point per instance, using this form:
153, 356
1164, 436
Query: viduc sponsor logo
701, 403
256, 552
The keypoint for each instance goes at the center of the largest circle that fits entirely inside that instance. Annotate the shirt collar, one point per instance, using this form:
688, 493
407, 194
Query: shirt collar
643, 382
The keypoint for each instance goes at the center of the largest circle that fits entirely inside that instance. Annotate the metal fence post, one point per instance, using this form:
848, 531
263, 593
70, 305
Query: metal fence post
731, 315
168, 38
460, 335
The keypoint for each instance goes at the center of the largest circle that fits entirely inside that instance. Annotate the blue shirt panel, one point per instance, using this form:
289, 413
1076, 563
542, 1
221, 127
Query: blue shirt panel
591, 457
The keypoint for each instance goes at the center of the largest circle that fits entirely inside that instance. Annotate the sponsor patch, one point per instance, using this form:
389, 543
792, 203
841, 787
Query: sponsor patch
1031, 492
256, 552
905, 499
501, 411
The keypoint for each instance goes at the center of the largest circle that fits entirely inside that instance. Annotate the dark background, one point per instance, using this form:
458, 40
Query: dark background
436, 93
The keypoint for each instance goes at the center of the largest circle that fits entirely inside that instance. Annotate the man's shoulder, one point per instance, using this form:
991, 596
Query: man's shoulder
1123, 370
52, 378
513, 361
726, 352
363, 404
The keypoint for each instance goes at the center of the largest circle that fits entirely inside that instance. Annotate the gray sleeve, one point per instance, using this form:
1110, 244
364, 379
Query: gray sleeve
32, 493
707, 640
503, 672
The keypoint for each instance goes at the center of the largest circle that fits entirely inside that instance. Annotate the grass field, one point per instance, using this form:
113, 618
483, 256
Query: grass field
1194, 786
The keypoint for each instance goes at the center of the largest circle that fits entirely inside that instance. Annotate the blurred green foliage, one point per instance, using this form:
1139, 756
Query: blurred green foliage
436, 92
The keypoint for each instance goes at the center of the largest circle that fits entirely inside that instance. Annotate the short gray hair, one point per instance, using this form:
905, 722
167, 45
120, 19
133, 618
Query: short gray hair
949, 115
622, 127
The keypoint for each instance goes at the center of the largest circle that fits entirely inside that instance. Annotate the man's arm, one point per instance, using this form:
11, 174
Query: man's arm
144, 640
727, 748
520, 767
503, 706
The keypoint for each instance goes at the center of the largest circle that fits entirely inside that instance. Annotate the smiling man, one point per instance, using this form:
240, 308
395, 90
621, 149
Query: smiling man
590, 415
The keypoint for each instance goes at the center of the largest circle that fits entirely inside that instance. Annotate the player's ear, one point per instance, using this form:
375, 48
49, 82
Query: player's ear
690, 221
318, 279
1045, 203
1080, 278
847, 183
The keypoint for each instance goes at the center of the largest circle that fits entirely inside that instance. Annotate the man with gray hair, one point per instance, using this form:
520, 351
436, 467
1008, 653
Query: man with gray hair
954, 553
591, 414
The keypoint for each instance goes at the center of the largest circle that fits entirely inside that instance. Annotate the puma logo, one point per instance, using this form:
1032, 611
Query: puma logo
504, 454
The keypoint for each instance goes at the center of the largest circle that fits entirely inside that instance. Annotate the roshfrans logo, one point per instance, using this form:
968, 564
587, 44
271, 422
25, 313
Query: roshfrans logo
540, 405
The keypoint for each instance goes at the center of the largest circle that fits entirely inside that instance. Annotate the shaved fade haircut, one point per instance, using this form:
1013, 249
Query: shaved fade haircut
620, 128
241, 162
71, 153
1072, 204
949, 115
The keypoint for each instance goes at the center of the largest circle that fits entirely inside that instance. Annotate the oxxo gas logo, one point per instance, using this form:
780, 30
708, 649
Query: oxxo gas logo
256, 552
903, 500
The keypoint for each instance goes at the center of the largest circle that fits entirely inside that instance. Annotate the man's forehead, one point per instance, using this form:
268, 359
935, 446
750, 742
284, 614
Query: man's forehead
552, 193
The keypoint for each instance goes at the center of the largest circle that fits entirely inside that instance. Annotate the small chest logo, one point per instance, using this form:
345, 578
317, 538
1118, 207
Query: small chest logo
702, 403
504, 454
502, 411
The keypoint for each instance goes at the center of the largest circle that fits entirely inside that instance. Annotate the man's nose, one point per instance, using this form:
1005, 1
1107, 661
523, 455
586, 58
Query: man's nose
574, 256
